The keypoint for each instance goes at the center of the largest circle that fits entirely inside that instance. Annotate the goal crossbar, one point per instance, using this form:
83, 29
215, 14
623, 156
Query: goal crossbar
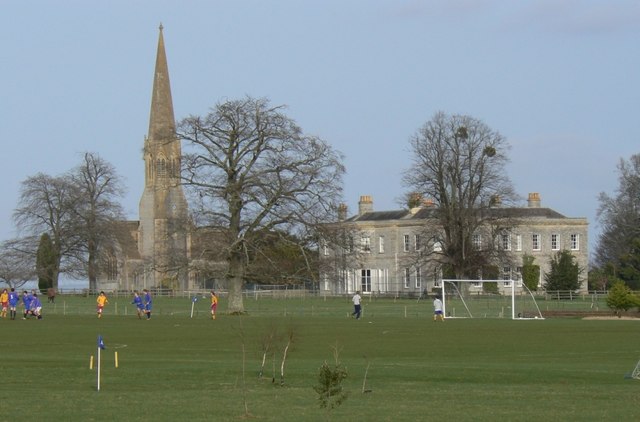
510, 290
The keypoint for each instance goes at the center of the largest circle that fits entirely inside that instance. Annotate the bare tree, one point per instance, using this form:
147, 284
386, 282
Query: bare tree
619, 242
17, 262
458, 163
46, 206
250, 169
341, 251
77, 210
98, 187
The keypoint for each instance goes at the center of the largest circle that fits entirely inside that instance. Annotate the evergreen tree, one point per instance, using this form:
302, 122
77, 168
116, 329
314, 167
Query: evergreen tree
621, 298
629, 265
530, 273
564, 273
46, 263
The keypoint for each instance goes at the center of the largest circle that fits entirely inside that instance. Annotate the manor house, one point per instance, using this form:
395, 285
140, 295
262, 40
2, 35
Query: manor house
389, 252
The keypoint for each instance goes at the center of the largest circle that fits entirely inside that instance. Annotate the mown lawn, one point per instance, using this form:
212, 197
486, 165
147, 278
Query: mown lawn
174, 367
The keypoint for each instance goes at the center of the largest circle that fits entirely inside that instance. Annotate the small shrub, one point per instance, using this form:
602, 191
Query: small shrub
330, 391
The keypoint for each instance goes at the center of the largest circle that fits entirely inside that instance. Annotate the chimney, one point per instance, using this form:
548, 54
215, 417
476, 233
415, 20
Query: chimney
534, 200
365, 205
342, 212
415, 202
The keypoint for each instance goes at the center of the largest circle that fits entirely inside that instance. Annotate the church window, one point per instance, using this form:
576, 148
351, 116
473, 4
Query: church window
112, 267
162, 169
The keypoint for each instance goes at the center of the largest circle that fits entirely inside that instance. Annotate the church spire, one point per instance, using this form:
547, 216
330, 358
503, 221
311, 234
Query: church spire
161, 120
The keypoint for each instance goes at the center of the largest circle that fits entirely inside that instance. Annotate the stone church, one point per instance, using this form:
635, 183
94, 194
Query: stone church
156, 251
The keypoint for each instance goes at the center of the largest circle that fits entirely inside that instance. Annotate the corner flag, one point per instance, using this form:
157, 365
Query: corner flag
101, 343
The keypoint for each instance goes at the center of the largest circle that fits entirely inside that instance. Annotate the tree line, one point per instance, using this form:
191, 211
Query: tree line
250, 171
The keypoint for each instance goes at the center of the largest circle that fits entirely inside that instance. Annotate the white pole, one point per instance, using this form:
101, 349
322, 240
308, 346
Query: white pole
98, 368
192, 304
513, 299
444, 302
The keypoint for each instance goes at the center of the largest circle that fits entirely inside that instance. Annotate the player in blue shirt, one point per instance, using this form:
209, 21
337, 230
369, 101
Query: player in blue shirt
26, 302
147, 303
137, 300
36, 306
14, 298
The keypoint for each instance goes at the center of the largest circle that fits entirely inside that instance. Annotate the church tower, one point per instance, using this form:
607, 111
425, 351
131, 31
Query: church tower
162, 239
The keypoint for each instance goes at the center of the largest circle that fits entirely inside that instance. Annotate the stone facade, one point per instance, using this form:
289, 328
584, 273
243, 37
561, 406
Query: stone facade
388, 253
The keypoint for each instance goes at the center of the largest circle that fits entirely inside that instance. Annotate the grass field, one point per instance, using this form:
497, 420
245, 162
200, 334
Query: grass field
174, 367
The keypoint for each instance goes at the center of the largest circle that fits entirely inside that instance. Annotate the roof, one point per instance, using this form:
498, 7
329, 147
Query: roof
380, 215
125, 232
431, 212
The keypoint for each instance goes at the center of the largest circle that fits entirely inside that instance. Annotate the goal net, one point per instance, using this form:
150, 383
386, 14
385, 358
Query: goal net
488, 299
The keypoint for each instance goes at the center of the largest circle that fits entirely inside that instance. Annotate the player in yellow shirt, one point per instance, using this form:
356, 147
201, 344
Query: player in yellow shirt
214, 304
4, 302
102, 301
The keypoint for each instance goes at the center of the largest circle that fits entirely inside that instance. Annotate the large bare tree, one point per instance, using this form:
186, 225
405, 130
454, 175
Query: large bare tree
96, 213
459, 164
17, 262
618, 246
46, 206
251, 170
77, 210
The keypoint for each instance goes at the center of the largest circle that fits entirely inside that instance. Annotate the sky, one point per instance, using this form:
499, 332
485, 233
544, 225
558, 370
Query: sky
559, 79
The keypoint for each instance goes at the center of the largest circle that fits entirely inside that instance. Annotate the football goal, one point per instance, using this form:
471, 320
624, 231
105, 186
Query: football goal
488, 299
636, 372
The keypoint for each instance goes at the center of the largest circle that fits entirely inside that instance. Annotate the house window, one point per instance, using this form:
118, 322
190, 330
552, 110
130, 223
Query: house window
366, 244
416, 239
575, 242
406, 243
407, 277
325, 249
418, 278
505, 242
381, 244
518, 273
476, 241
518, 242
535, 242
555, 242
506, 274
365, 280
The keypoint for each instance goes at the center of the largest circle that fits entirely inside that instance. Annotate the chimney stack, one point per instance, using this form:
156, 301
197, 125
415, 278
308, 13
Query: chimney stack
365, 205
534, 200
342, 212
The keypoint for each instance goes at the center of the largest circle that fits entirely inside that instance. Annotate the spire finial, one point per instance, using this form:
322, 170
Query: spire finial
161, 27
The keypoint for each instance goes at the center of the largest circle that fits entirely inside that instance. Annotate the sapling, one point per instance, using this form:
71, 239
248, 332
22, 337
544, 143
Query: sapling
330, 391
267, 346
290, 337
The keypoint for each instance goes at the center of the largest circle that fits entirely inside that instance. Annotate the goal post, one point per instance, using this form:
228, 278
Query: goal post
488, 299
